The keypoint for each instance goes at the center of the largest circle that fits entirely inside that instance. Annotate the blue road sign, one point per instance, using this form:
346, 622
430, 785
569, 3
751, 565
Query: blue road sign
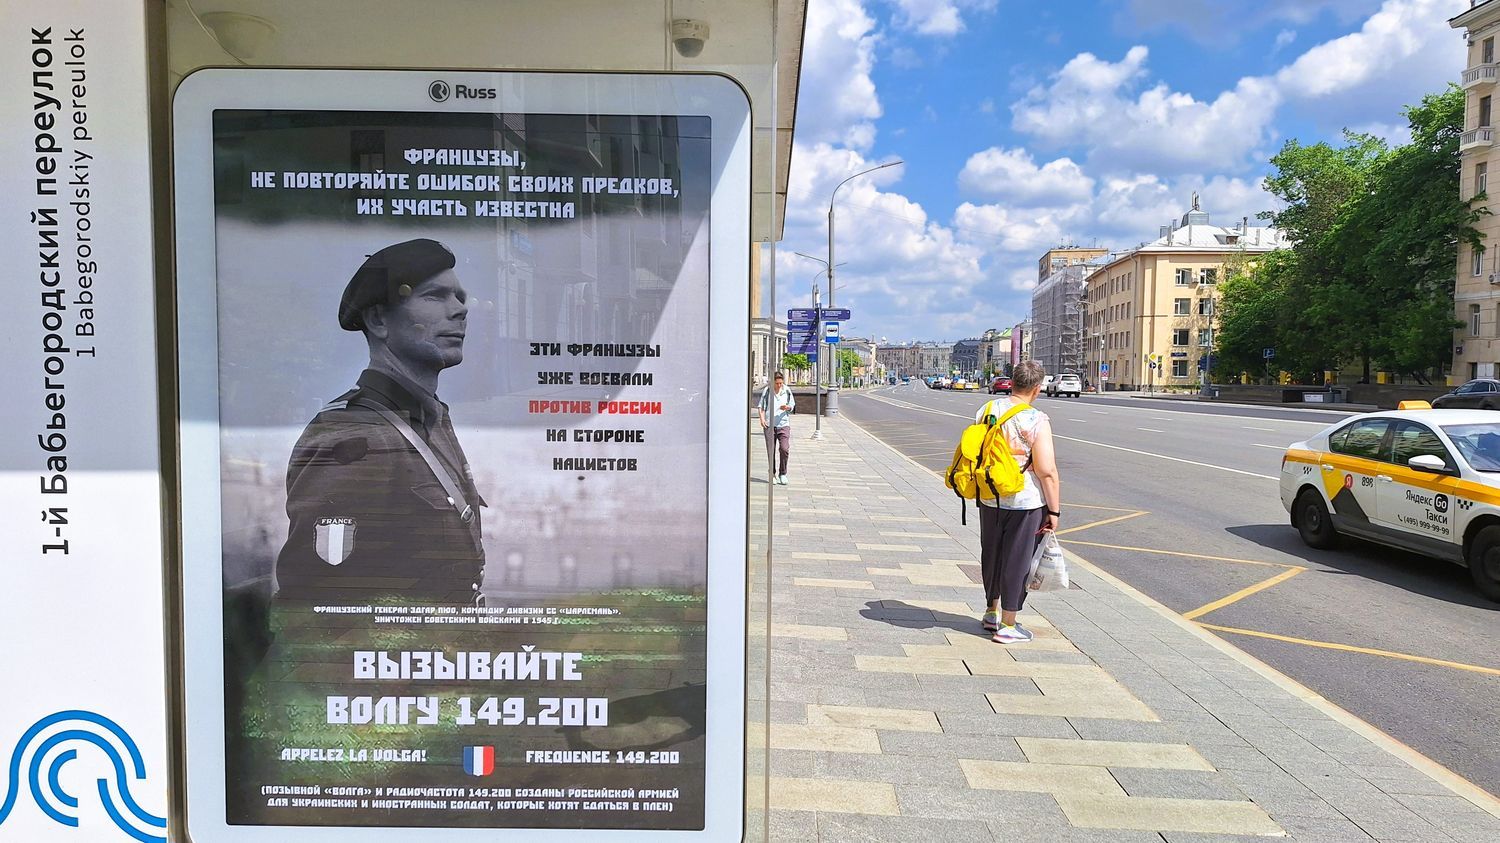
806, 313
1103, 370
830, 332
1268, 353
801, 325
838, 314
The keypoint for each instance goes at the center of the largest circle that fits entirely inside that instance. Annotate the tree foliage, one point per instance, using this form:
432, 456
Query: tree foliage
795, 362
1369, 281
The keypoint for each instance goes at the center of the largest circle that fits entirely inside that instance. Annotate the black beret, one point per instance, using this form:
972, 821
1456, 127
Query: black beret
381, 277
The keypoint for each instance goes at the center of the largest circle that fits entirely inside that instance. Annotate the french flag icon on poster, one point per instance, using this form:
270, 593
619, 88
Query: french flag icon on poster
479, 760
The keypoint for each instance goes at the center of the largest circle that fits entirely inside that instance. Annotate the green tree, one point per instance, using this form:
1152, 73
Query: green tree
1323, 319
1376, 231
1251, 301
847, 360
1402, 238
795, 362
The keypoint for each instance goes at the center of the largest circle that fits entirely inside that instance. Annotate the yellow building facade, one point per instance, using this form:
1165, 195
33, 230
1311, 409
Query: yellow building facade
1157, 303
1476, 292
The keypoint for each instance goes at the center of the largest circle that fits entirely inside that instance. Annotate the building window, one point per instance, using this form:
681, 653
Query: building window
1184, 277
1205, 336
1473, 320
1477, 261
1481, 178
1487, 51
1179, 336
1208, 276
1179, 368
1180, 307
1484, 111
1205, 307
1473, 371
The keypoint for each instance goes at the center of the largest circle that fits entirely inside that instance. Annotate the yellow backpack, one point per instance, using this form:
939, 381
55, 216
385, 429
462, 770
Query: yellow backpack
983, 466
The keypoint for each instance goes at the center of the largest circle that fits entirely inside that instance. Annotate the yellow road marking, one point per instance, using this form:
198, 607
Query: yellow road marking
1094, 524
1175, 553
1350, 648
1110, 508
1243, 593
1255, 634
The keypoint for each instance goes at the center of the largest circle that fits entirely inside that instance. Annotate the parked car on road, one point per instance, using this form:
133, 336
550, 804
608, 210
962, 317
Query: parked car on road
1421, 479
1066, 384
1000, 384
1480, 394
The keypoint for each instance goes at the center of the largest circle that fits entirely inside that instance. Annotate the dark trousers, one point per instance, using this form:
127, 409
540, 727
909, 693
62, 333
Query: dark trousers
779, 441
1008, 539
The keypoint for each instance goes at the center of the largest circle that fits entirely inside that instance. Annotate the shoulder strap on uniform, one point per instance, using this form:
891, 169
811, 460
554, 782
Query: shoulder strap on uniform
340, 402
454, 490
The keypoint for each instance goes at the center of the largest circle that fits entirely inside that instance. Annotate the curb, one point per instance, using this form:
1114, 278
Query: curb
1460, 786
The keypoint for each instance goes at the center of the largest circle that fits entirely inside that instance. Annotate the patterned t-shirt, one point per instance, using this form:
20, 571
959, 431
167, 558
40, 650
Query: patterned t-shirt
1020, 432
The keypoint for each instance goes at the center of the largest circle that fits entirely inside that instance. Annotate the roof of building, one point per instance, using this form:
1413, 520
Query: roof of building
1478, 11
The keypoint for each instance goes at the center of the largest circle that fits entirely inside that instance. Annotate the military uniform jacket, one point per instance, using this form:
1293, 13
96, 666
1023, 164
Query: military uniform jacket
370, 518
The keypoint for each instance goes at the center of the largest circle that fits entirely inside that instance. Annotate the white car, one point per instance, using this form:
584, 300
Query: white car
1417, 478
1064, 385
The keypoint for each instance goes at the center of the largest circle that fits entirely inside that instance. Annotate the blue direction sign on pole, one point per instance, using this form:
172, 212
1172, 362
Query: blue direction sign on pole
803, 313
839, 314
794, 325
830, 332
1268, 353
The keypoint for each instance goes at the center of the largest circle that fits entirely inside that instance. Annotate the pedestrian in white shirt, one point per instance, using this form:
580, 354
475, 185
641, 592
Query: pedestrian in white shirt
776, 407
1011, 526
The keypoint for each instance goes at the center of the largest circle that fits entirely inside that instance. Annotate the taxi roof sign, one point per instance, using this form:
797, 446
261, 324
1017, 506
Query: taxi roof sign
1414, 405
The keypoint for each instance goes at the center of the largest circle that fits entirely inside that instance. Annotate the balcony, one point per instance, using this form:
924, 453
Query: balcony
1480, 138
1479, 74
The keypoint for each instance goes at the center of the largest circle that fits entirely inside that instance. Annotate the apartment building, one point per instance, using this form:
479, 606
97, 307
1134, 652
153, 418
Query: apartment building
966, 356
1476, 290
903, 361
1156, 304
995, 351
934, 358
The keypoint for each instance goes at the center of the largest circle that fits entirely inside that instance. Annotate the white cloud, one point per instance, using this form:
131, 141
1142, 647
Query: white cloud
1012, 175
1403, 30
1091, 104
937, 17
905, 271
1284, 39
837, 103
1130, 209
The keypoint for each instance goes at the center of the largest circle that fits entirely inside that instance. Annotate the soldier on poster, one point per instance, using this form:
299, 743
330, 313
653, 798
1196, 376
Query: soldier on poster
380, 496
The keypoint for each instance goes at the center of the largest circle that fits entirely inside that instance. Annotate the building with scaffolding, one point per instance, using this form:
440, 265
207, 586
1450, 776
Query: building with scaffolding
1057, 307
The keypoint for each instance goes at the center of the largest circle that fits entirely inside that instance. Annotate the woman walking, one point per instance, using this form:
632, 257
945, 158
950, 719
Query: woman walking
1011, 527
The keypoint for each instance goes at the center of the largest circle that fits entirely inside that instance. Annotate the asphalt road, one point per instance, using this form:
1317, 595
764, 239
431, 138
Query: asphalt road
1189, 493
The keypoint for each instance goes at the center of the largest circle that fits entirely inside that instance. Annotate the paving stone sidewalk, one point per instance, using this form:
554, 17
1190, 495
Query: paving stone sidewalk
893, 718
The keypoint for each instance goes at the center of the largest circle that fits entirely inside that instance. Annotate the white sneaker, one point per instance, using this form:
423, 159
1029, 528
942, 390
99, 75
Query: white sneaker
781, 479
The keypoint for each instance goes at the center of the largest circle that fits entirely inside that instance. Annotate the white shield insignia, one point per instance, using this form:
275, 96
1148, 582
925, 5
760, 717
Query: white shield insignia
334, 539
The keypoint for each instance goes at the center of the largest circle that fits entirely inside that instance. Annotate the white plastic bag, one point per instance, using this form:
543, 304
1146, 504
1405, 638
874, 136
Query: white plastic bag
1049, 570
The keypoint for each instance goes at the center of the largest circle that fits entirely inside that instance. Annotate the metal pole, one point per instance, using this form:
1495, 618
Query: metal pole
817, 364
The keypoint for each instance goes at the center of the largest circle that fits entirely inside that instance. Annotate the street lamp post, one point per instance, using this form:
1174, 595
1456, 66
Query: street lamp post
817, 364
833, 401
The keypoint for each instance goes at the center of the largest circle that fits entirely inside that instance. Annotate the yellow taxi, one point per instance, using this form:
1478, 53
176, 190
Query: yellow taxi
1416, 478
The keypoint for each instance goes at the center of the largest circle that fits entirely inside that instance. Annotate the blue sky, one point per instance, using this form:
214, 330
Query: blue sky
1026, 124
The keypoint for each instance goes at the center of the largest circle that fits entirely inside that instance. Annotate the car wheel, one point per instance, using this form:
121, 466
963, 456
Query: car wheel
1313, 522
1484, 562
